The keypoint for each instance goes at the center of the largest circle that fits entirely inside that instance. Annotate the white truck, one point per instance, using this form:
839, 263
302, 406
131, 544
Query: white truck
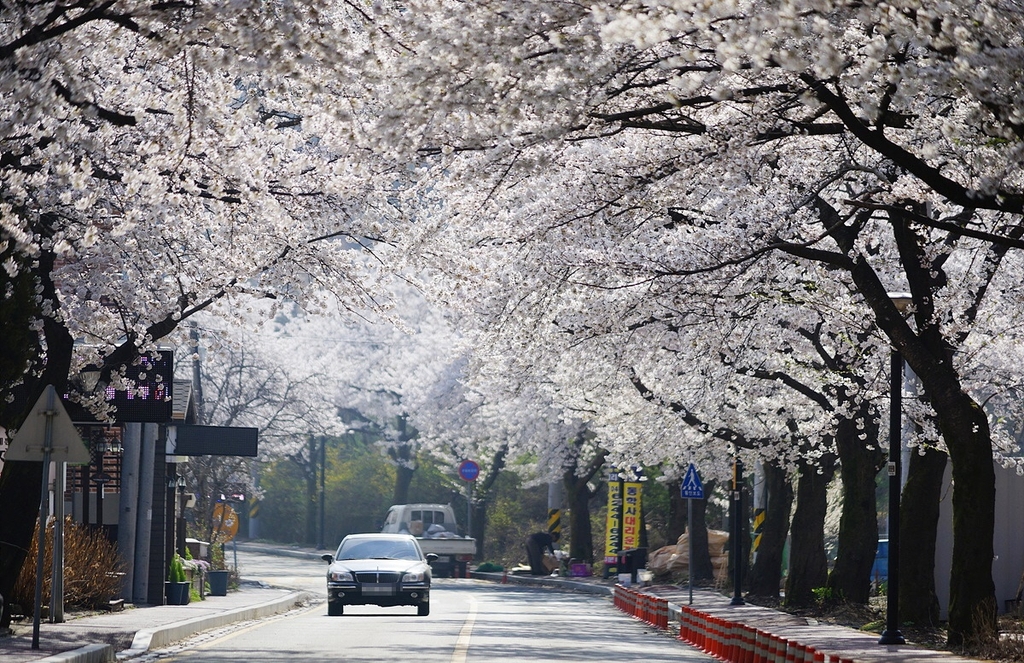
435, 529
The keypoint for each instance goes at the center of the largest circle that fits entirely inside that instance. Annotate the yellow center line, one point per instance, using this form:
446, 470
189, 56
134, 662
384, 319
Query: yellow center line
462, 644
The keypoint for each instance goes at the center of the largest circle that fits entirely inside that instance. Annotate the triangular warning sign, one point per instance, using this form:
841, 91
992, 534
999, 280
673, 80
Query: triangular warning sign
65, 442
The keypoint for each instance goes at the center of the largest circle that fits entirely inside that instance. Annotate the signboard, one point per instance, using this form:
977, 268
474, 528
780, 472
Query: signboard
613, 526
147, 398
632, 493
469, 470
191, 440
225, 523
62, 438
691, 488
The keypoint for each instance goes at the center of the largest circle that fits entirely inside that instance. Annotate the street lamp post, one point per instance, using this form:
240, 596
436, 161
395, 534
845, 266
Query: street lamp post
892, 635
738, 548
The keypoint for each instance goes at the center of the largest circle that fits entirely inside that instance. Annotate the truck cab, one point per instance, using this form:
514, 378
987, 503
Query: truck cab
416, 519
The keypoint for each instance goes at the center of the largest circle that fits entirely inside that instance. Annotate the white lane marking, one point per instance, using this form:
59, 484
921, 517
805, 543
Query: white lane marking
462, 644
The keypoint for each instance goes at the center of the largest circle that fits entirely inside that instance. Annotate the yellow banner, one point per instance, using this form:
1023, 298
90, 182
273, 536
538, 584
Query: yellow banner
613, 524
631, 520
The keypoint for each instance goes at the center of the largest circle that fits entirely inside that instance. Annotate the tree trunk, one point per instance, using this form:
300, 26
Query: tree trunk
579, 494
581, 535
676, 512
703, 569
808, 565
972, 599
403, 479
483, 495
21, 481
311, 491
404, 456
766, 573
919, 520
850, 579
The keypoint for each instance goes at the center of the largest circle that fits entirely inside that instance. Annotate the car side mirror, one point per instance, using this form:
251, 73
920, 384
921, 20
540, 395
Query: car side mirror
327, 557
431, 557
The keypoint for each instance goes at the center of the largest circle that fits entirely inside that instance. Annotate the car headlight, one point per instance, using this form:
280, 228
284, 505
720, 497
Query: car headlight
415, 576
340, 576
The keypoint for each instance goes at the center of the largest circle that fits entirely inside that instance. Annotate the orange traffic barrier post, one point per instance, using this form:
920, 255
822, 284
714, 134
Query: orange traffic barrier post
781, 645
715, 637
723, 639
793, 649
761, 651
735, 642
749, 639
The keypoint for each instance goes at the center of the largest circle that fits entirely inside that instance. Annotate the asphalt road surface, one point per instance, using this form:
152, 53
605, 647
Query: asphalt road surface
470, 621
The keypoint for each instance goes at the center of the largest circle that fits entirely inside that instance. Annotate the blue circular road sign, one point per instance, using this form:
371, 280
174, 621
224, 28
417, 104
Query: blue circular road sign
469, 470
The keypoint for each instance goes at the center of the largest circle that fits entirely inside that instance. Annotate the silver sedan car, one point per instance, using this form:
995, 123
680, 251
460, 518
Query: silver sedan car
378, 569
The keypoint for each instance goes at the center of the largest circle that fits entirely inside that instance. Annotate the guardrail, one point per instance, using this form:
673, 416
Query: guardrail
730, 642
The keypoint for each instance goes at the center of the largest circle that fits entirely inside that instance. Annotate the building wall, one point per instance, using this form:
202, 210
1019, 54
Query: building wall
1008, 541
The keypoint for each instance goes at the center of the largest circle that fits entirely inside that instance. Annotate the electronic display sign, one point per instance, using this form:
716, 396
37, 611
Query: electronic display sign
147, 399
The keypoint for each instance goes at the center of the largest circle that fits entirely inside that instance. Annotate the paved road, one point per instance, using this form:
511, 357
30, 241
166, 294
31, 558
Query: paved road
484, 615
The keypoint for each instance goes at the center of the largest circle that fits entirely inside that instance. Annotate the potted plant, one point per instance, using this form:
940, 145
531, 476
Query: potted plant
218, 576
177, 584
219, 582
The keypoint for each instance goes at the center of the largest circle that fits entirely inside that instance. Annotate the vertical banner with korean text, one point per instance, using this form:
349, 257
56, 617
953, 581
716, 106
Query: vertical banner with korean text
613, 527
631, 520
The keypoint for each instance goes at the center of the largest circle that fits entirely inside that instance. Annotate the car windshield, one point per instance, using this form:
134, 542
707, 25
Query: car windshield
377, 549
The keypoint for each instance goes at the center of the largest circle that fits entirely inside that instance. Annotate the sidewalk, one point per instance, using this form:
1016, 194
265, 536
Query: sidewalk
844, 643
134, 631
122, 635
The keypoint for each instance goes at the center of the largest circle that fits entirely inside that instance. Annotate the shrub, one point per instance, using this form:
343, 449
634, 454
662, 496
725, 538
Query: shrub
93, 570
176, 572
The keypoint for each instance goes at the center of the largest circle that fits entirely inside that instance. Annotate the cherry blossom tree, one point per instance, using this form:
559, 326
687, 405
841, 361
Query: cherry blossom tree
254, 376
155, 159
617, 146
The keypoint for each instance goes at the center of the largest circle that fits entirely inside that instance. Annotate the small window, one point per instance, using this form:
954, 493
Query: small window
439, 517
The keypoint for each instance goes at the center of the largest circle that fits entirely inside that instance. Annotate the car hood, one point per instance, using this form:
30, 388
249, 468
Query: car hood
386, 565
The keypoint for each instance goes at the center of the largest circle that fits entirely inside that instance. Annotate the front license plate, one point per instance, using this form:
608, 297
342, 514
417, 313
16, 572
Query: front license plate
379, 590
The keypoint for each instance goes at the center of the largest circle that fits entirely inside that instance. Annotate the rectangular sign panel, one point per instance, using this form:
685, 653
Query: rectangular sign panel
613, 527
631, 521
188, 440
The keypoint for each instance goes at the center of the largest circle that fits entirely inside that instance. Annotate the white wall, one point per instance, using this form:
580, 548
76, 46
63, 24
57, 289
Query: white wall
1008, 541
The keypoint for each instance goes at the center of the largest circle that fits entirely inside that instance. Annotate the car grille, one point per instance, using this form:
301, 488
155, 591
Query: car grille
375, 577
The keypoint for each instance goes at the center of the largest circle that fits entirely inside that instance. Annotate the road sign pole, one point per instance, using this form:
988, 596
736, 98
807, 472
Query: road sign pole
44, 499
691, 489
689, 544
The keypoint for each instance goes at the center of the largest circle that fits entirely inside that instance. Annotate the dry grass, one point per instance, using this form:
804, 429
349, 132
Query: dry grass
93, 570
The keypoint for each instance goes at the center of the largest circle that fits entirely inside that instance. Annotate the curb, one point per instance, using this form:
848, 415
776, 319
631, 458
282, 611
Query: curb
298, 553
86, 654
543, 581
162, 636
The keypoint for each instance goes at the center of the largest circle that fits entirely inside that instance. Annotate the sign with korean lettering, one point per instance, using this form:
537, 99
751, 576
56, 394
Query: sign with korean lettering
613, 523
631, 520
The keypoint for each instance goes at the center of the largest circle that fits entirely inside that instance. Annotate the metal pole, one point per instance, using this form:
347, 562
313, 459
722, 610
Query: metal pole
44, 500
323, 473
689, 542
57, 568
892, 635
737, 530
